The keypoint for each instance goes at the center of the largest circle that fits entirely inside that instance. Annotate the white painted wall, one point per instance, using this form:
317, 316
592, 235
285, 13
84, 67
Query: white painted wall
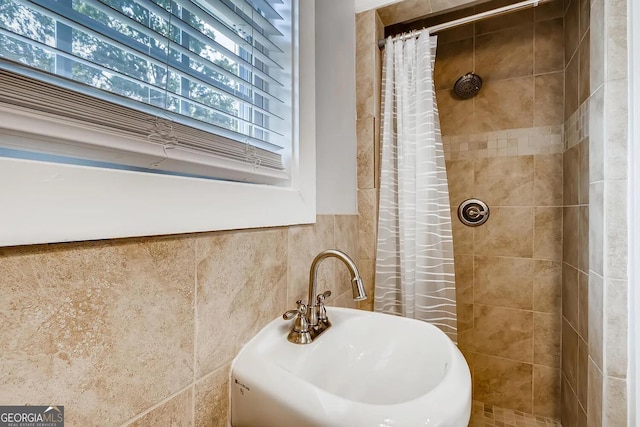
362, 5
336, 107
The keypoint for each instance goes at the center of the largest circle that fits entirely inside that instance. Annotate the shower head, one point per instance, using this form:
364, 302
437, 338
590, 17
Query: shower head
468, 86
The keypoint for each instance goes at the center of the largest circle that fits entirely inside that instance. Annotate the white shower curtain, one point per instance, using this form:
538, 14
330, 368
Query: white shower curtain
414, 262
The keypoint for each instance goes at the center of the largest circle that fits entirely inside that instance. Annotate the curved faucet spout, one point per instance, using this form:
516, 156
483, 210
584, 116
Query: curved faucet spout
359, 293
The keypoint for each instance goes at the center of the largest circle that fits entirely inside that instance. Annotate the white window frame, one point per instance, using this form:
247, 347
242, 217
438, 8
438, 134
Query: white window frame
47, 202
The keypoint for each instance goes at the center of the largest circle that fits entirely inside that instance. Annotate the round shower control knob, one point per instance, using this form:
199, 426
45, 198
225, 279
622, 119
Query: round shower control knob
473, 212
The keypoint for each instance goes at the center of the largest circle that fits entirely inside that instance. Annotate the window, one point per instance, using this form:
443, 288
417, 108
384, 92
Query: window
202, 87
71, 199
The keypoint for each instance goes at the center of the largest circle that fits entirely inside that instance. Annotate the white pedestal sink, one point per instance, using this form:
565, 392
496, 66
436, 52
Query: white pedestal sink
368, 369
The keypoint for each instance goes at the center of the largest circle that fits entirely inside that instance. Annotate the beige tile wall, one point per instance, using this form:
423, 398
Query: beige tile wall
505, 147
142, 331
508, 274
520, 58
575, 280
575, 253
505, 143
369, 29
608, 281
591, 72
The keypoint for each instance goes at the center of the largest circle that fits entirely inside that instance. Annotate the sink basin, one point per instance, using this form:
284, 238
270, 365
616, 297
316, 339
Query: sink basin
368, 369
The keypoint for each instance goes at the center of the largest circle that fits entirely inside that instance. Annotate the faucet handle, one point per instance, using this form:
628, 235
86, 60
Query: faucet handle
300, 333
322, 311
301, 310
321, 297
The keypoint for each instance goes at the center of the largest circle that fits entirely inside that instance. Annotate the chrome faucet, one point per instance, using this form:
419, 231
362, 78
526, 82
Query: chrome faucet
311, 319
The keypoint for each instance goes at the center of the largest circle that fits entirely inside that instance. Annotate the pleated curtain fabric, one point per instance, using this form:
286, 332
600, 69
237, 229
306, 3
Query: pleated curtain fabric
414, 261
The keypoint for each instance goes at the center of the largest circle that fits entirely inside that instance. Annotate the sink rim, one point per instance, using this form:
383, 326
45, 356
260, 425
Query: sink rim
273, 337
273, 397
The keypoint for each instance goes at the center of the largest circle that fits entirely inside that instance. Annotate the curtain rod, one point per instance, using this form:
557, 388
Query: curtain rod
462, 21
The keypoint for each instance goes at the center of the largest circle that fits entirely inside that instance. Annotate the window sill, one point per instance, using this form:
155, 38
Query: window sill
58, 203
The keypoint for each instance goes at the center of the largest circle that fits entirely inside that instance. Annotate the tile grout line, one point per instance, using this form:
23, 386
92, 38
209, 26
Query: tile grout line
489, 415
195, 330
156, 406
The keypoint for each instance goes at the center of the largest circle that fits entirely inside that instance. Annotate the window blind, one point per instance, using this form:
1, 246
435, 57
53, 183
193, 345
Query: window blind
201, 82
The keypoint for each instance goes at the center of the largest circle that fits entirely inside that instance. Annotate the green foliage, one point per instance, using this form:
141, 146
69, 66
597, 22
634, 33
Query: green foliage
35, 26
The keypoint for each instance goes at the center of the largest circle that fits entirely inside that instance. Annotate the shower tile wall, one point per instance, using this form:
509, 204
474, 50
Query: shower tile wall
369, 29
608, 280
505, 147
508, 275
593, 120
575, 253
